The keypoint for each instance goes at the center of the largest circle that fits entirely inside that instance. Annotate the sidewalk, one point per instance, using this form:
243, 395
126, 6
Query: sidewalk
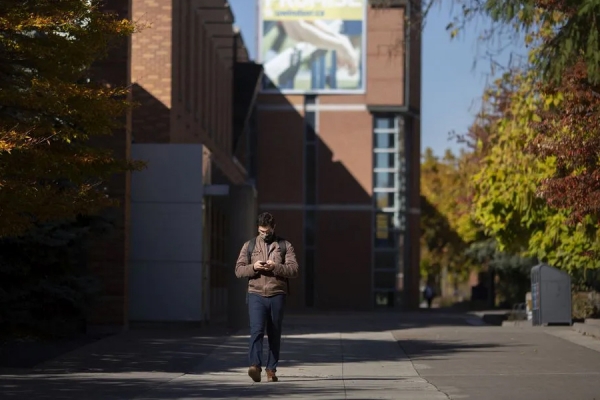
421, 356
336, 365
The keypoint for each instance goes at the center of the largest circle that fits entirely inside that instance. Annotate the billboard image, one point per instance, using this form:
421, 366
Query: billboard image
314, 46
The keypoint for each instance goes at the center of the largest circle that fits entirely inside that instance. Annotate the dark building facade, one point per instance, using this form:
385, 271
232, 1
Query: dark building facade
168, 258
339, 171
341, 174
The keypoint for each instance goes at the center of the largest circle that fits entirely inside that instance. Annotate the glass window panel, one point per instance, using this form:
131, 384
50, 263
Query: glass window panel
383, 223
384, 200
385, 179
384, 123
384, 279
385, 160
386, 259
386, 239
385, 141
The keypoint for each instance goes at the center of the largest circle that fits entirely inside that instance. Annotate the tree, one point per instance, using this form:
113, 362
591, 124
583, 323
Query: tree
446, 225
507, 203
569, 132
445, 184
50, 109
512, 270
564, 64
567, 32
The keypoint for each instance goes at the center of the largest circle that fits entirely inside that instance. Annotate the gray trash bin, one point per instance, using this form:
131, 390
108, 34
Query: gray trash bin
550, 296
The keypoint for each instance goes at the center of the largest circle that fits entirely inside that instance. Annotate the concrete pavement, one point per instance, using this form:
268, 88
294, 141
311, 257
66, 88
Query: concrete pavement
502, 363
420, 356
328, 365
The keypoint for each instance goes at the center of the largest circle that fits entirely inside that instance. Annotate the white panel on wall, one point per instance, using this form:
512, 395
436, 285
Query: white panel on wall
174, 173
166, 231
161, 291
165, 270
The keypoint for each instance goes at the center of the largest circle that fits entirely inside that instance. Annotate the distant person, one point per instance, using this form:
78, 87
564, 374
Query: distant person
268, 261
428, 294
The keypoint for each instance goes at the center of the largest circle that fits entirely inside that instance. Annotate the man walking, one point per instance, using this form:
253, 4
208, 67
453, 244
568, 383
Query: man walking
268, 262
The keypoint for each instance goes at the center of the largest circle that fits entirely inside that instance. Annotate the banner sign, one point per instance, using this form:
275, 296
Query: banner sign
312, 46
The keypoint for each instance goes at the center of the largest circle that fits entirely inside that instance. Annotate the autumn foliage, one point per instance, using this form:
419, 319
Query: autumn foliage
51, 107
526, 189
570, 132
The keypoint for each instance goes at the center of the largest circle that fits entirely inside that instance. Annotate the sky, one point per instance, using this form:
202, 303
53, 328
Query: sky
454, 72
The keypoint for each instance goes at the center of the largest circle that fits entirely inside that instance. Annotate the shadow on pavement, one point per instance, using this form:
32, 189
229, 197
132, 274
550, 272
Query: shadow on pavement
188, 387
376, 321
137, 362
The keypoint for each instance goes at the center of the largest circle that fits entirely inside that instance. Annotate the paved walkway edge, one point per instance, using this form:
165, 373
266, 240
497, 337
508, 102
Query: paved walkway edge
576, 337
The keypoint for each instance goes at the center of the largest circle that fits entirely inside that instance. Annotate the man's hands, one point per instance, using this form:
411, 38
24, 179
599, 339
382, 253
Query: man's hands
262, 266
269, 266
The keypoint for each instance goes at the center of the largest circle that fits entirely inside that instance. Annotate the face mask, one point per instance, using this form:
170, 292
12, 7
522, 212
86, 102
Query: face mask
266, 236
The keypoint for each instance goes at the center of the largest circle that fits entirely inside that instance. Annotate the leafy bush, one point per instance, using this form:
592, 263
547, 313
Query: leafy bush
45, 288
585, 305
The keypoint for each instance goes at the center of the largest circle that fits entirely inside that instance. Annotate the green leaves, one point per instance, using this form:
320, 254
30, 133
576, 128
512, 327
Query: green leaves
567, 31
506, 201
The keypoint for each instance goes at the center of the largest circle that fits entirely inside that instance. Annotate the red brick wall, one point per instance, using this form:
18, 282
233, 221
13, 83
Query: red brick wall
343, 268
202, 96
345, 170
345, 157
385, 57
280, 157
385, 61
151, 70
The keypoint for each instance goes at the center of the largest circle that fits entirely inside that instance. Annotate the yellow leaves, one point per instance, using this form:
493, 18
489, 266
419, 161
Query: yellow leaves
528, 39
558, 98
557, 17
507, 202
51, 110
553, 100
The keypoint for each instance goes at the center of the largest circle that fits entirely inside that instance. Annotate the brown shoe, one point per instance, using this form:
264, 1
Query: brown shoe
254, 373
271, 377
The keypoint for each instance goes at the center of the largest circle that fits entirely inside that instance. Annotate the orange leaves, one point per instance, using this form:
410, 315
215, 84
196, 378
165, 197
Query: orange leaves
52, 109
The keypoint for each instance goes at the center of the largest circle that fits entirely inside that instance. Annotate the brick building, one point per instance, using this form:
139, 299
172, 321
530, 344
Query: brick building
339, 171
194, 86
343, 171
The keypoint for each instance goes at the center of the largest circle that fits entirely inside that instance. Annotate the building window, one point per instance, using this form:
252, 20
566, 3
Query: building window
389, 200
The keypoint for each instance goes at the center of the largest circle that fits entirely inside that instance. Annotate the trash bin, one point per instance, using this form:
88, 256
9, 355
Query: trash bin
550, 295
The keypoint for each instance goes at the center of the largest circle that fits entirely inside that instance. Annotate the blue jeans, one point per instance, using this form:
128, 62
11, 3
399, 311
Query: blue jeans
265, 312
